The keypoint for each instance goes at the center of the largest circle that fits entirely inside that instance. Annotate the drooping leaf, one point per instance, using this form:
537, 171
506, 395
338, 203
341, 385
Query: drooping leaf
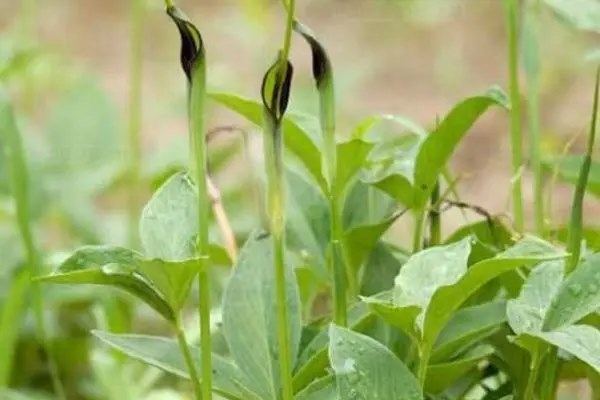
297, 140
165, 354
169, 222
468, 326
111, 266
365, 369
249, 317
527, 312
441, 376
578, 295
580, 14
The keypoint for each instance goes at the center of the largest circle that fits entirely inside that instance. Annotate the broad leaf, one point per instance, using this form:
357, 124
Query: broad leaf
313, 362
165, 354
381, 268
117, 267
365, 369
578, 295
297, 140
351, 158
526, 313
490, 237
249, 317
582, 341
169, 222
427, 271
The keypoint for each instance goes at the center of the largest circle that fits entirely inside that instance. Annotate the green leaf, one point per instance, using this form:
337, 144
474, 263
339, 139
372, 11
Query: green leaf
249, 322
578, 295
169, 222
441, 143
568, 170
591, 235
12, 314
351, 158
427, 271
312, 362
297, 140
445, 300
526, 313
490, 237
441, 376
320, 389
409, 170
360, 240
307, 225
366, 369
468, 326
580, 14
165, 354
111, 266
580, 340
380, 270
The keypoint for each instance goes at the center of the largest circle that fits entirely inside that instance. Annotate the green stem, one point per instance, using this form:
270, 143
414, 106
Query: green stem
515, 98
435, 227
189, 361
533, 90
273, 143
534, 368
200, 170
423, 364
418, 230
135, 117
548, 386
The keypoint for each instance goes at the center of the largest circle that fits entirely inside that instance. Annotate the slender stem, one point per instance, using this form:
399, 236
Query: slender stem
548, 386
534, 368
435, 220
200, 170
516, 137
533, 89
135, 117
418, 230
189, 361
423, 363
276, 202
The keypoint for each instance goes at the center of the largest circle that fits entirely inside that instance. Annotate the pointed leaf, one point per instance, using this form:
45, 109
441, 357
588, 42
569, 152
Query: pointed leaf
351, 158
364, 368
249, 317
111, 266
568, 170
580, 14
165, 354
169, 222
578, 295
320, 389
526, 313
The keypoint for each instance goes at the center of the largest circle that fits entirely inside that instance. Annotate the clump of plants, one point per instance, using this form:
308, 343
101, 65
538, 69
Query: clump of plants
488, 312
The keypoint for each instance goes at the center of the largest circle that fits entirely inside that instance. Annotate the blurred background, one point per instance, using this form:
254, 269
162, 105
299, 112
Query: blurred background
68, 67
